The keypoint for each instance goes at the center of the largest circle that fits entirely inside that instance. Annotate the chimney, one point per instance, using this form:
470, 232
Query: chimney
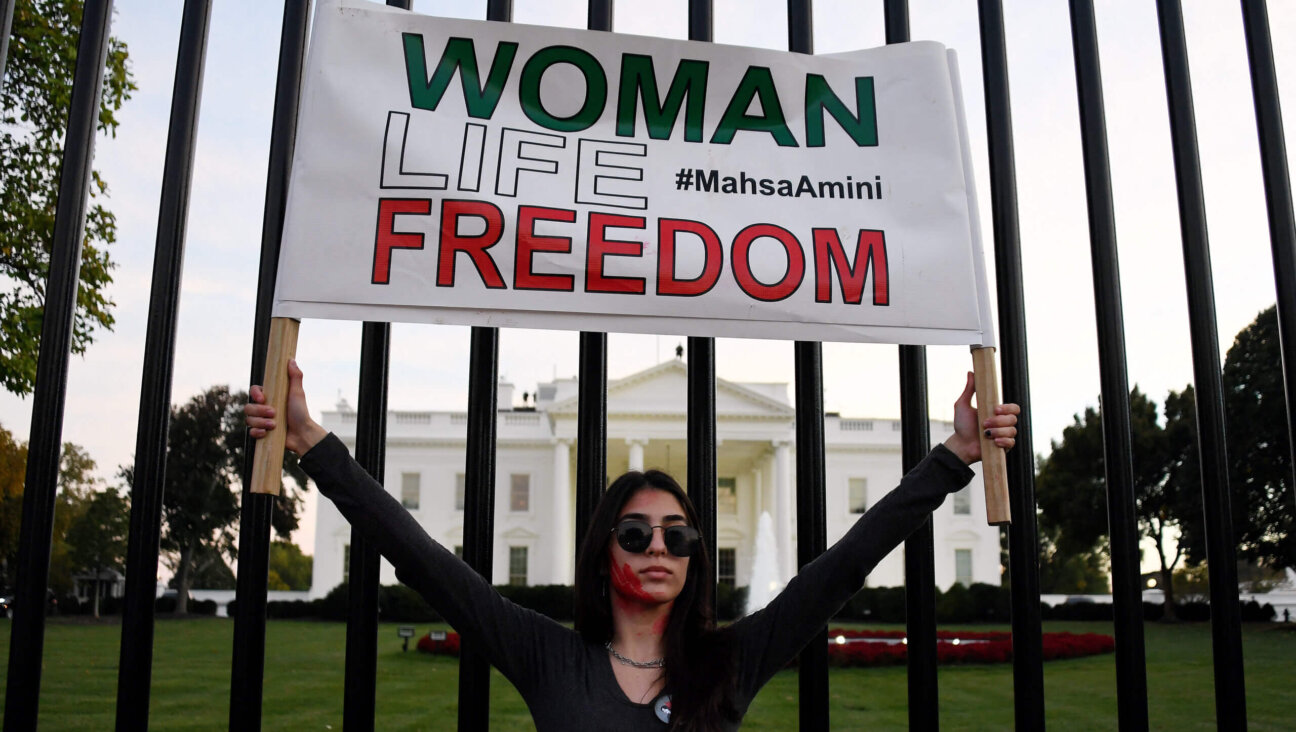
504, 396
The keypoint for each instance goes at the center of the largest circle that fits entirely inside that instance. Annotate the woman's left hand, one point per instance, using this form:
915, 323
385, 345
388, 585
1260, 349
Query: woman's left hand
966, 440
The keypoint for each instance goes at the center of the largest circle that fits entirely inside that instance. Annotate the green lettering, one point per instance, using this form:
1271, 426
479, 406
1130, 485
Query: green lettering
819, 97
756, 83
639, 81
595, 88
426, 93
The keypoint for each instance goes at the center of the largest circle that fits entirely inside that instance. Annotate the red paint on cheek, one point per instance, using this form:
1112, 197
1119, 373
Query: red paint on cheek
627, 584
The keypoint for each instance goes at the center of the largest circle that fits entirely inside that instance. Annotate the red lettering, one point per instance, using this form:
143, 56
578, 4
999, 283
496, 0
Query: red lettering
474, 246
600, 246
667, 283
387, 239
742, 266
528, 243
870, 247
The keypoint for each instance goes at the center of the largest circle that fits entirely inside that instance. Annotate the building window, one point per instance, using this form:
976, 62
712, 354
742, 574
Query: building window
346, 563
517, 565
410, 490
520, 493
963, 567
726, 566
858, 495
727, 496
460, 482
963, 502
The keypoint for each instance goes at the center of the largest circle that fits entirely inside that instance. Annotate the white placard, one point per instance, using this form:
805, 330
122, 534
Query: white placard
498, 174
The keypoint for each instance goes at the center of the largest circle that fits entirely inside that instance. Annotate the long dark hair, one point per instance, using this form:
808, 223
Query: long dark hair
699, 658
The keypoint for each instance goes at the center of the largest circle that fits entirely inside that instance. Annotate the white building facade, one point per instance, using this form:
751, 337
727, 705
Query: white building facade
646, 428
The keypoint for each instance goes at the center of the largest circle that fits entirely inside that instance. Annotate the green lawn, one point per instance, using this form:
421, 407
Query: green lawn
304, 667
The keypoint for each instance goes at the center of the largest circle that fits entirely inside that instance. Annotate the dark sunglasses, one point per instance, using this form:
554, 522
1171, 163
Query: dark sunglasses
636, 536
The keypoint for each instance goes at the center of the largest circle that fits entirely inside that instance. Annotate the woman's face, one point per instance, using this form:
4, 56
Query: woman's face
653, 576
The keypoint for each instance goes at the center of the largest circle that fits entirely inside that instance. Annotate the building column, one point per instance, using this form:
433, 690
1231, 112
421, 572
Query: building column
636, 454
783, 487
564, 538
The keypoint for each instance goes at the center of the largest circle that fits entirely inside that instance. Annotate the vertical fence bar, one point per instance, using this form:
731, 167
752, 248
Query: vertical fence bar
812, 527
1023, 539
359, 696
1278, 197
702, 436
591, 429
919, 548
812, 521
701, 372
247, 671
1127, 595
599, 15
135, 666
27, 641
591, 399
479, 484
358, 703
6, 26
479, 513
1221, 553
701, 21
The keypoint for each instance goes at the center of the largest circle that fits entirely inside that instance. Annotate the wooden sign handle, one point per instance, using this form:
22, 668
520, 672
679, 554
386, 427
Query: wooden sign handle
267, 464
994, 463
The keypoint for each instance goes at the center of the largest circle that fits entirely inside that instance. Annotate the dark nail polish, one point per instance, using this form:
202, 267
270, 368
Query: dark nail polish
987, 434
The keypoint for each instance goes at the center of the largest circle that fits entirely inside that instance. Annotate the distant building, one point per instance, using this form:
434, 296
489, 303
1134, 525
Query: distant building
646, 428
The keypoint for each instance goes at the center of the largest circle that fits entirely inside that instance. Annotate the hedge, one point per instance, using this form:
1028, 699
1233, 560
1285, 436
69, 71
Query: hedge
980, 603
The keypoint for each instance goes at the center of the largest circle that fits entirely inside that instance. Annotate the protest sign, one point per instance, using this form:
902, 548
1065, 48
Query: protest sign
482, 173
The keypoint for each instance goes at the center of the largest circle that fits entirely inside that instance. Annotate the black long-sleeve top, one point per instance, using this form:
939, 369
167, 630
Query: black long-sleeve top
568, 683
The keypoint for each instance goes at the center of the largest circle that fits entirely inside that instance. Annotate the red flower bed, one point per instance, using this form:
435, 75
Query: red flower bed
952, 646
446, 647
955, 646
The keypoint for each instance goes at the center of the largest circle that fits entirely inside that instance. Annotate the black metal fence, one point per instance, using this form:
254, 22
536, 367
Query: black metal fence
25, 658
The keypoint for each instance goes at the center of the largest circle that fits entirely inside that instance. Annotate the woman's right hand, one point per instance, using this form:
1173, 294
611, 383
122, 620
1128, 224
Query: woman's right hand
303, 432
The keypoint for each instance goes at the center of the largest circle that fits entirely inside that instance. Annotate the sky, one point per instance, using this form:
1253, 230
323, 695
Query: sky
429, 364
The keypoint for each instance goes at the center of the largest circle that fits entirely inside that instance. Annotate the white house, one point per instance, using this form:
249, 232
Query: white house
646, 427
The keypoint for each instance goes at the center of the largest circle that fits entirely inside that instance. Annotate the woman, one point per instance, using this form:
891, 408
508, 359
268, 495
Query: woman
645, 653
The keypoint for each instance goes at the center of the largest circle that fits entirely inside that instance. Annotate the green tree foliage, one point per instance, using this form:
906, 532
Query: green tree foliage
289, 568
1260, 472
76, 482
200, 500
97, 537
13, 469
1072, 496
34, 103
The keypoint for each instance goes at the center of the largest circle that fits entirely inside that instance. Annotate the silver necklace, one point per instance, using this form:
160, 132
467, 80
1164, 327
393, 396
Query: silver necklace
655, 663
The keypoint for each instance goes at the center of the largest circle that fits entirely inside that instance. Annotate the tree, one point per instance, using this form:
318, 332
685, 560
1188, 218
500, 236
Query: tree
97, 538
34, 104
1259, 455
210, 572
76, 484
289, 568
1072, 496
200, 500
76, 481
13, 469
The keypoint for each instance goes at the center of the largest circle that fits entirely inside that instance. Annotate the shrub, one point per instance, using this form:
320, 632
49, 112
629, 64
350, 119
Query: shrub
555, 601
730, 602
447, 647
955, 646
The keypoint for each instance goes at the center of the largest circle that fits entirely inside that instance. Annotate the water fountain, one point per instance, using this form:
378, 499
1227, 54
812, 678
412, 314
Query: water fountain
764, 580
